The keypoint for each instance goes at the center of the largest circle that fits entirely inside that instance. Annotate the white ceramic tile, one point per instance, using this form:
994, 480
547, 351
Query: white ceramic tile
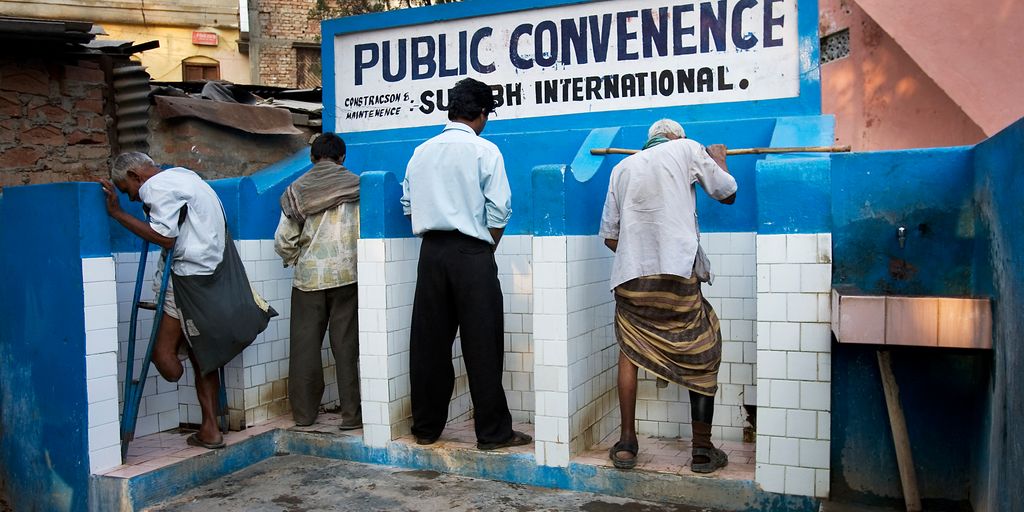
771, 249
771, 477
772, 364
785, 278
785, 336
802, 366
824, 425
814, 453
815, 396
772, 306
815, 337
784, 451
815, 278
97, 269
799, 481
103, 459
824, 247
771, 422
802, 248
785, 394
801, 307
103, 340
801, 424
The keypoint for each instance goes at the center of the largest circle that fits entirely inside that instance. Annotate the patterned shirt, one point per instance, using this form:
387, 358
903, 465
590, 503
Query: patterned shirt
322, 249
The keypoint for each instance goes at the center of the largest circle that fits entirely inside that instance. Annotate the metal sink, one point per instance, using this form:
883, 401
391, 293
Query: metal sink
920, 321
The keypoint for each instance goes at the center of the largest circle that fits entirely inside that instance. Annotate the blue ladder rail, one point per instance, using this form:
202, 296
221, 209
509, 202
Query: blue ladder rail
134, 387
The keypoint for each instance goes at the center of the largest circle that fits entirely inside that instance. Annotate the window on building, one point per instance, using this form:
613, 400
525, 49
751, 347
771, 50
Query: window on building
194, 69
835, 46
307, 67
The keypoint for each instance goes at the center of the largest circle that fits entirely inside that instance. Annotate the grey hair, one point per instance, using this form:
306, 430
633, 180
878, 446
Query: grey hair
128, 162
666, 127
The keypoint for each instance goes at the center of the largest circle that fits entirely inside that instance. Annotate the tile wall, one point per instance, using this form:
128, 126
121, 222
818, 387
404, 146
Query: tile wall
100, 294
794, 275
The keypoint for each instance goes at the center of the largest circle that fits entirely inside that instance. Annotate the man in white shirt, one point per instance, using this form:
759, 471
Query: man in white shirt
184, 213
457, 193
662, 322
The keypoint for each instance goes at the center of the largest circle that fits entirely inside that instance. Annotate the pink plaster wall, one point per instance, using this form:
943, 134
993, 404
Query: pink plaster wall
879, 95
972, 49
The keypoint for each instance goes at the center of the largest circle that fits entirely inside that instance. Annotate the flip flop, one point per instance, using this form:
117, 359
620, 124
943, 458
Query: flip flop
518, 439
624, 462
193, 440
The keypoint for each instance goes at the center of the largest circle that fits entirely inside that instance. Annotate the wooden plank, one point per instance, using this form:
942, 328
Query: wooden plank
900, 437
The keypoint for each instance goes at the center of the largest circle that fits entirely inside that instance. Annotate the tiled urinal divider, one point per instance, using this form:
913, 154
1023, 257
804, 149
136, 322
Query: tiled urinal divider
794, 275
387, 283
256, 381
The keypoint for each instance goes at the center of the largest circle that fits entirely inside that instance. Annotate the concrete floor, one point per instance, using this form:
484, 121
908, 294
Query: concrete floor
297, 483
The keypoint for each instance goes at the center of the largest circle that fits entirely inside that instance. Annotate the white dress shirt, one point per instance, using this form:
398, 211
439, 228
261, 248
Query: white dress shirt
651, 208
456, 181
199, 247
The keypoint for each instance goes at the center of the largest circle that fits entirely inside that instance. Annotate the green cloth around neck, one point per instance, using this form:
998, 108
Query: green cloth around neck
654, 141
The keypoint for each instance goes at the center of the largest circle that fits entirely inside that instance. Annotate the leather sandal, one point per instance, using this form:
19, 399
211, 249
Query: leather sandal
716, 459
624, 462
518, 439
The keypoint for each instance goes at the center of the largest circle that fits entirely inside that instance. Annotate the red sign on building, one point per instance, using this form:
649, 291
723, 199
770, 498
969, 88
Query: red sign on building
204, 38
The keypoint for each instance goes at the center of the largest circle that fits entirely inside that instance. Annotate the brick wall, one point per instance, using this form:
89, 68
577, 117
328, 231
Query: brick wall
52, 122
283, 22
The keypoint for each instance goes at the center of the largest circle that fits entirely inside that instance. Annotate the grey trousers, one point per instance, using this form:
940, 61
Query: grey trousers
312, 314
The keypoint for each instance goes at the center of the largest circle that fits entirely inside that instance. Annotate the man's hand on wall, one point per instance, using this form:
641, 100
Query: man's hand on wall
112, 202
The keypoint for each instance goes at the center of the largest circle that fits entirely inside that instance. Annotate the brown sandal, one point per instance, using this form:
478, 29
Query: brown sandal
624, 462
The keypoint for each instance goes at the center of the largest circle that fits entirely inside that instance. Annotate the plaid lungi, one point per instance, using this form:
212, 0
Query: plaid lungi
664, 325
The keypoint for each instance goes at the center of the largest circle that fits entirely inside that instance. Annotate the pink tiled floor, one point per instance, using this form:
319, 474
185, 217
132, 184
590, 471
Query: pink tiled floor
672, 455
155, 451
462, 436
662, 455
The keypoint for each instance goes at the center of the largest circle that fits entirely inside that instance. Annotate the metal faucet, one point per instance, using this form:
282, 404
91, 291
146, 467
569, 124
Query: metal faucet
901, 234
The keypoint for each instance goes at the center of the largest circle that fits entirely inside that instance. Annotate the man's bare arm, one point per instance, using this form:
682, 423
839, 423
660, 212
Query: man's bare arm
612, 244
717, 153
140, 228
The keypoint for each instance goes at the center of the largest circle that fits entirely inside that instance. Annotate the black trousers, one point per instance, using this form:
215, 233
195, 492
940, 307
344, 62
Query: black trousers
457, 289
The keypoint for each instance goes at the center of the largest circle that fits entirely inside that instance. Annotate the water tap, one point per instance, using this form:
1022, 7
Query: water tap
901, 234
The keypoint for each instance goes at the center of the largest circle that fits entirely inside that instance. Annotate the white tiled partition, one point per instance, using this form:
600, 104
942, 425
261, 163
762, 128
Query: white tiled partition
387, 284
794, 275
101, 362
575, 346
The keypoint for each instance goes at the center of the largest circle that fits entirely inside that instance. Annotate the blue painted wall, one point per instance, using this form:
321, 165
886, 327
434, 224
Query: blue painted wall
999, 193
962, 210
930, 192
47, 229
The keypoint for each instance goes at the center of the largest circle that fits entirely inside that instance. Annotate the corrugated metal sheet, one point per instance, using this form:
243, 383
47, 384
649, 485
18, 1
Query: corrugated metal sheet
131, 99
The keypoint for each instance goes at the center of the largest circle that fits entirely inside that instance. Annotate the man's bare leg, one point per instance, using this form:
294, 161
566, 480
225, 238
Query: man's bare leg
627, 403
165, 350
207, 388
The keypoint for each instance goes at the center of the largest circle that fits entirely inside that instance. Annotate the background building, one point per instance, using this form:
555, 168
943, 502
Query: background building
916, 74
199, 39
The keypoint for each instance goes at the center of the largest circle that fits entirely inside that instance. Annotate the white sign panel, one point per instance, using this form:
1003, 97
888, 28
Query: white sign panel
590, 57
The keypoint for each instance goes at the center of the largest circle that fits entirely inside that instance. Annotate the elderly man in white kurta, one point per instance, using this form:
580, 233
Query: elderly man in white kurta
662, 322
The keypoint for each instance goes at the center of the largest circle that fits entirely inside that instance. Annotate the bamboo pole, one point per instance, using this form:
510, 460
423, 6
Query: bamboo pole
900, 436
739, 151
